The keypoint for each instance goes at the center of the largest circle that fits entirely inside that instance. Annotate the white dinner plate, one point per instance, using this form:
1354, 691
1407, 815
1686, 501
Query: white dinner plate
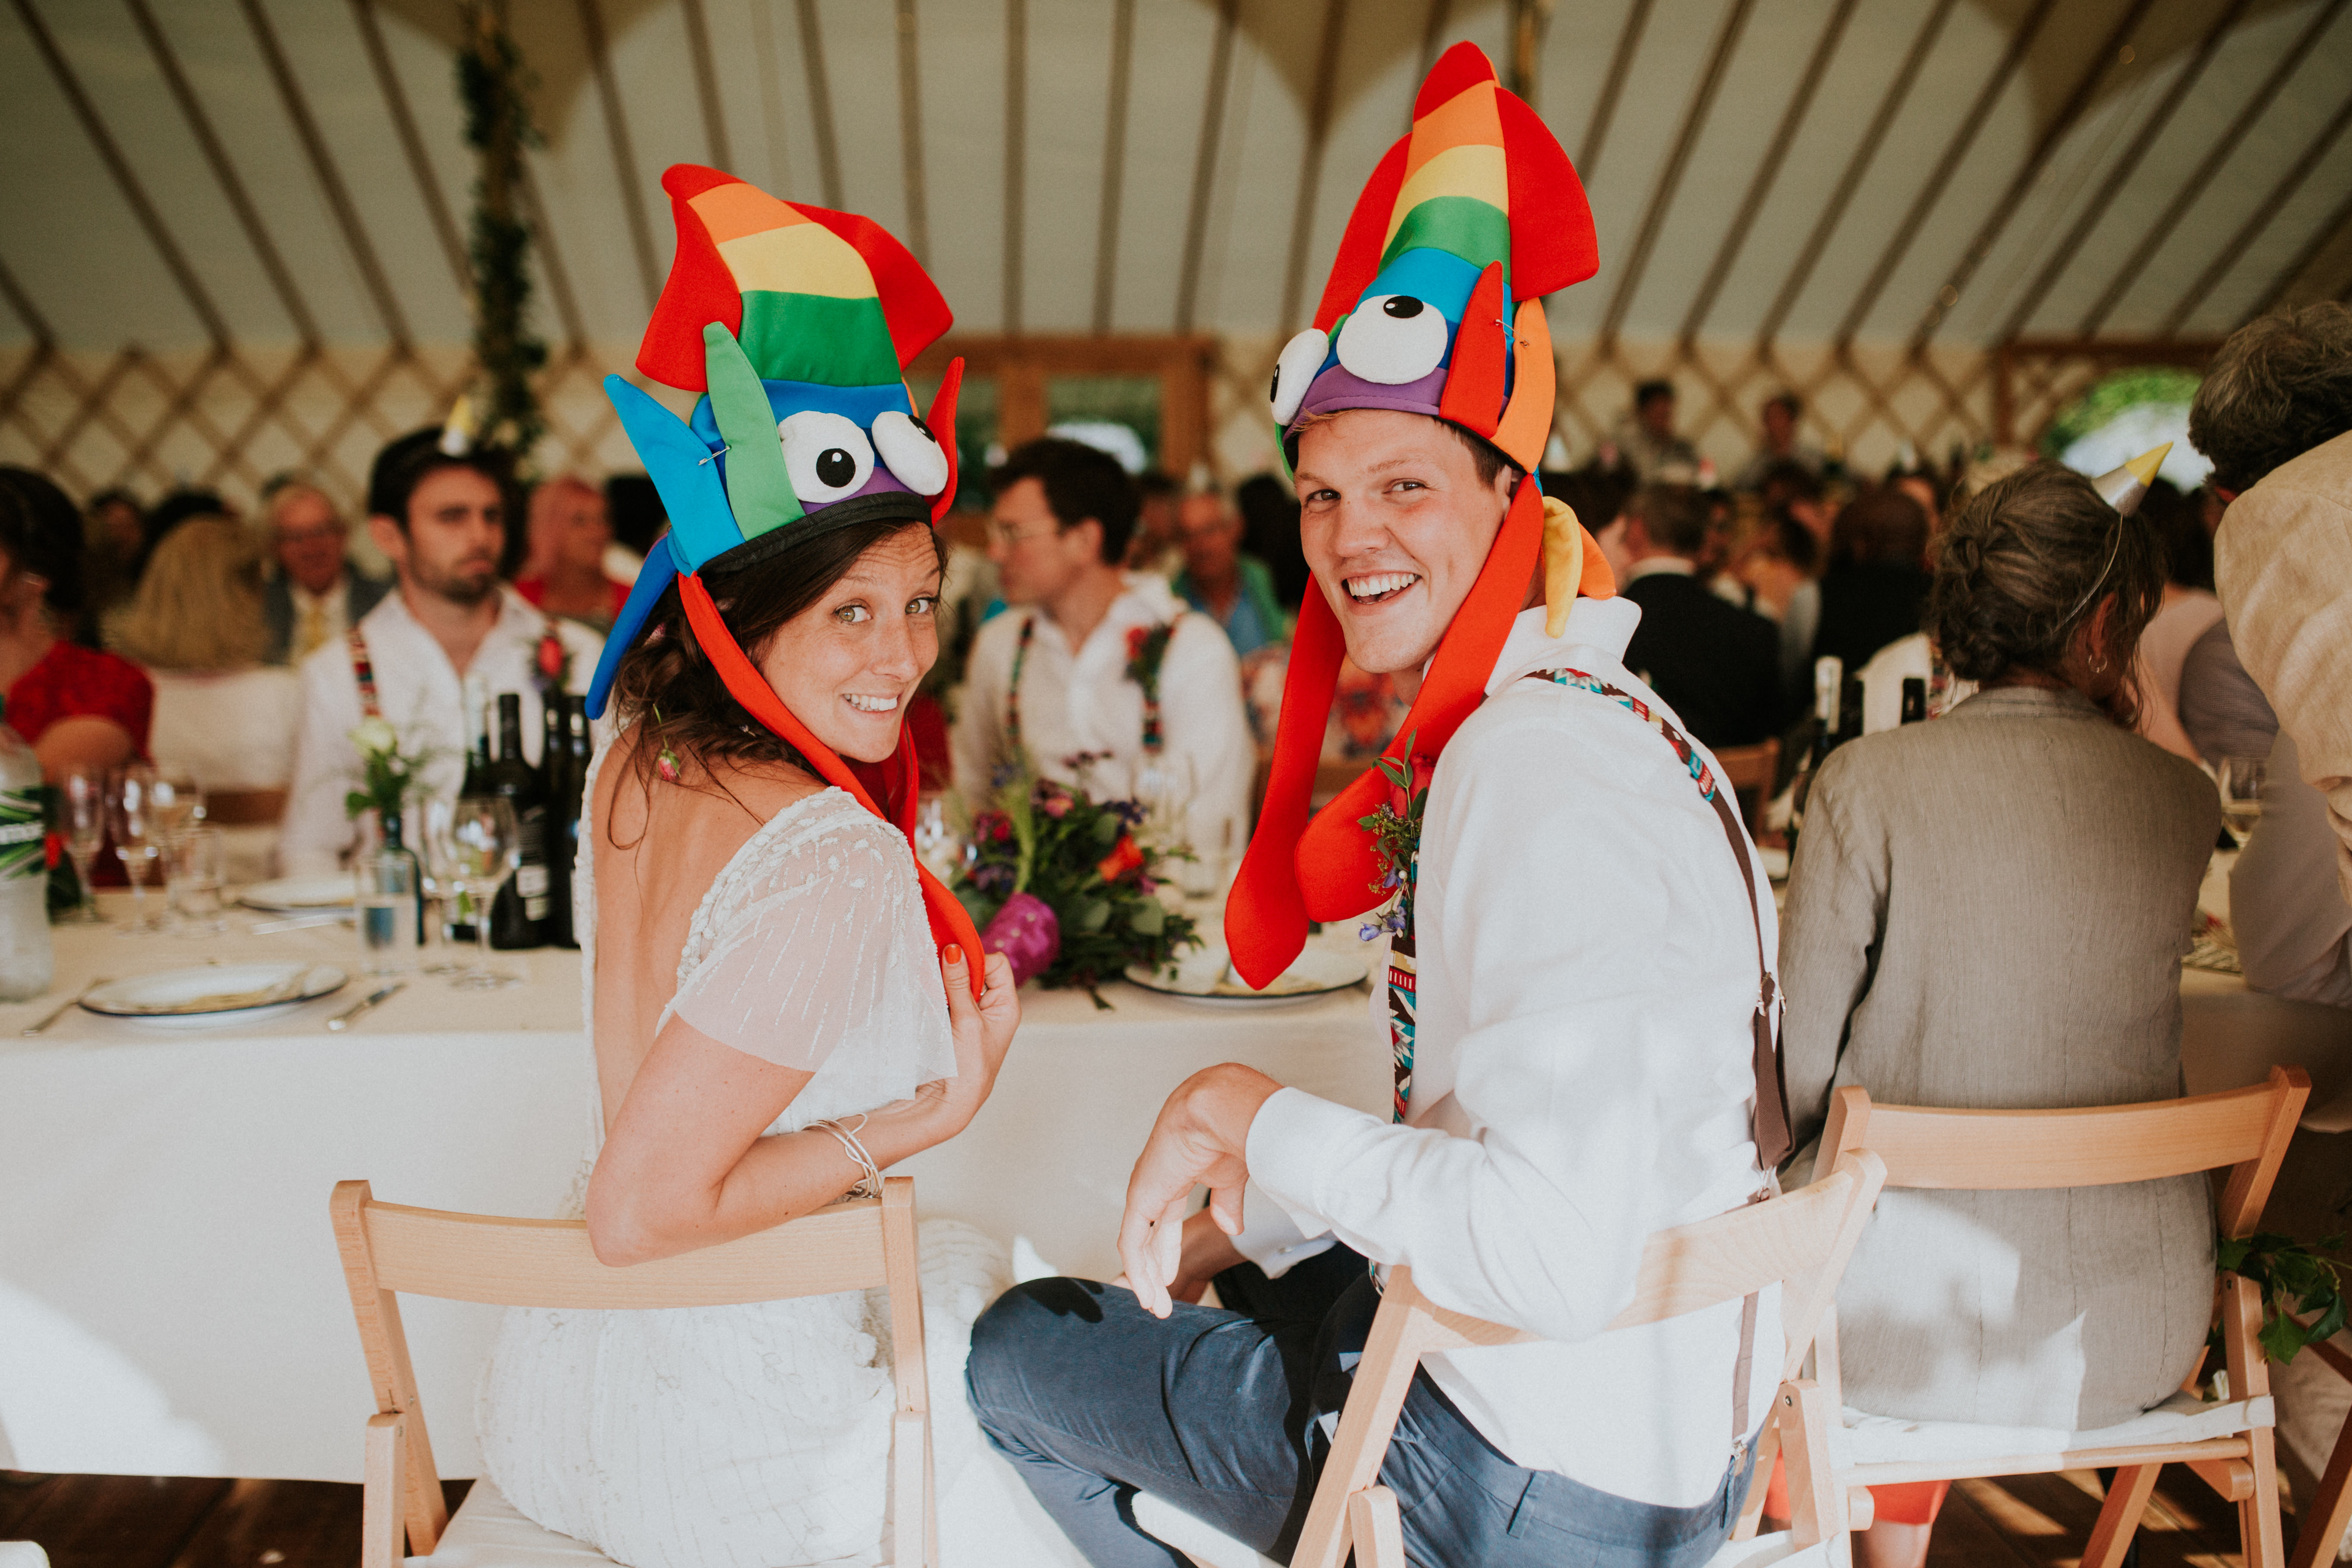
290, 895
1200, 976
211, 994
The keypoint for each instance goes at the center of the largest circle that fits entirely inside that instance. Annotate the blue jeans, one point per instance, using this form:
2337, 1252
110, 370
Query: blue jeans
1215, 1411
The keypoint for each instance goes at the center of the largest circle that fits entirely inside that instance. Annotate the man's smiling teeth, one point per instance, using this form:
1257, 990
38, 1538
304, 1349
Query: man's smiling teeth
871, 704
1380, 585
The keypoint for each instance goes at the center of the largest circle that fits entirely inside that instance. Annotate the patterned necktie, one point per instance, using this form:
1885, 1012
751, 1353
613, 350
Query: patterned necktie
313, 632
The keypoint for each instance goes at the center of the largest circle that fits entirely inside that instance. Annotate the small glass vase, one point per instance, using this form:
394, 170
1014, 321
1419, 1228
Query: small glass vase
391, 844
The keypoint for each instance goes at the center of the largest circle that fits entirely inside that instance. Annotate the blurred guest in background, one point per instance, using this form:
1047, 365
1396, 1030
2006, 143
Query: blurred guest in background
1270, 531
1159, 543
74, 705
115, 536
197, 626
1092, 659
570, 530
1777, 572
316, 595
174, 510
1781, 413
1717, 665
1219, 580
634, 507
441, 520
1989, 912
1875, 585
1646, 438
2190, 611
1793, 492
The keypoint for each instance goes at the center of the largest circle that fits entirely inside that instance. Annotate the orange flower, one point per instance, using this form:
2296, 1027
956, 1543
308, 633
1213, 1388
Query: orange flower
1123, 859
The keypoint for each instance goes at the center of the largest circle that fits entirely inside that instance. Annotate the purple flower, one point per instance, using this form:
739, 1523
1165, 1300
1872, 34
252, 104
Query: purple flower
1367, 932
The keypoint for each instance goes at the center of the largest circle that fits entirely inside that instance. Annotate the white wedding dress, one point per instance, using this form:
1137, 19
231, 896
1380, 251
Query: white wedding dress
758, 1436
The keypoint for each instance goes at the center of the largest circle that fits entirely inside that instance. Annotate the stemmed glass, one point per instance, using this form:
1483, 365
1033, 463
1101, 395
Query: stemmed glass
179, 803
81, 819
481, 848
131, 819
1164, 785
2242, 781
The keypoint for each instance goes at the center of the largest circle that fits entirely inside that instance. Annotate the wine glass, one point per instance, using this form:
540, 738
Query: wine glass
82, 820
482, 848
2242, 781
179, 803
936, 844
131, 821
1163, 787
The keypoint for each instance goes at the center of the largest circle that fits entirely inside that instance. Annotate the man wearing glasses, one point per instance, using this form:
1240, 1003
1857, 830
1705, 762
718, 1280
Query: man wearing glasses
1089, 659
316, 595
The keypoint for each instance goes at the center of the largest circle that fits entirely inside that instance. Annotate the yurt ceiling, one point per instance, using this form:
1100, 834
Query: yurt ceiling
1923, 180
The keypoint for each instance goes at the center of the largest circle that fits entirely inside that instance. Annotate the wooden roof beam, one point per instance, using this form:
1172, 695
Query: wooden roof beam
1204, 160
1310, 167
2261, 219
1114, 174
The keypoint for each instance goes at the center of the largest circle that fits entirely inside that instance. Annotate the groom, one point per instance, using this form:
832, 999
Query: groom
1580, 1064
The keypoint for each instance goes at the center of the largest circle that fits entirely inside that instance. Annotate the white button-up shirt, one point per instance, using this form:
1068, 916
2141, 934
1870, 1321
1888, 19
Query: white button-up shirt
1583, 1076
421, 695
1081, 701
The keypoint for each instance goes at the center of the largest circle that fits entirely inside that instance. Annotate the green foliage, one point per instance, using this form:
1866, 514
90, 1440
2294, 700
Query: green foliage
1080, 857
1396, 839
492, 84
2293, 1279
2111, 394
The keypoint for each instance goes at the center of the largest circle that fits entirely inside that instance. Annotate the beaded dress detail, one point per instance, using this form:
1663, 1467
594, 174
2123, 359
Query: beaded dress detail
756, 1436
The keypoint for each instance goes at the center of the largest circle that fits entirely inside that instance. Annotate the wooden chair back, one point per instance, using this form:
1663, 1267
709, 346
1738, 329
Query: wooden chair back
243, 807
1802, 1241
389, 1249
1751, 772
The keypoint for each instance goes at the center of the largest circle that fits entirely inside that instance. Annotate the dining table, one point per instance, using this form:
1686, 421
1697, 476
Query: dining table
170, 1298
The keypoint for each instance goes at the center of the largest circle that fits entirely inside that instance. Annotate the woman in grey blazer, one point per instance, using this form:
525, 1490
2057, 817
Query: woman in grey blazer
1989, 912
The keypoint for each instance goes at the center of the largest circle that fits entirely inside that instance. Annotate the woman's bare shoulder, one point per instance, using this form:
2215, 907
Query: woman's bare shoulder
702, 818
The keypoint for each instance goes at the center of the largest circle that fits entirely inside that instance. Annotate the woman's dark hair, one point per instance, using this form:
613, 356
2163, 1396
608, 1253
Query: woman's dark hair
1881, 526
2028, 560
1269, 511
2178, 523
41, 532
699, 718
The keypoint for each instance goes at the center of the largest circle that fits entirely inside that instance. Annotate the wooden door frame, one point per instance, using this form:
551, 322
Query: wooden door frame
1021, 365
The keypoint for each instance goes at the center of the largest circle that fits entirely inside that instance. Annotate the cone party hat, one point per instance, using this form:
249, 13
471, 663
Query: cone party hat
1435, 307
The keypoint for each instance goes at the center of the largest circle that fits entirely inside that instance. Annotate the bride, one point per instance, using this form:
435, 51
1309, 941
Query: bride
778, 1001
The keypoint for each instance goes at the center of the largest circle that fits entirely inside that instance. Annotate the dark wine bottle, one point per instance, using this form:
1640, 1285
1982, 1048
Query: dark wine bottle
1915, 699
476, 695
522, 901
559, 783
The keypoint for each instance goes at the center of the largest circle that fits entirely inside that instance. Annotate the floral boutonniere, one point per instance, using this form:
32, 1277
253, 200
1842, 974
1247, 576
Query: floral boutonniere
1147, 650
550, 666
1395, 830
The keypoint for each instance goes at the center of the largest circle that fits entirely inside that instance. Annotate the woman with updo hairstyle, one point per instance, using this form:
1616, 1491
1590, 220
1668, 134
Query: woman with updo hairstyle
1987, 911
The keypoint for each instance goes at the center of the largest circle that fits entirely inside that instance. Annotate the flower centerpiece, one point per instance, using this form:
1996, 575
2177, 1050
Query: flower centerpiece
1058, 882
388, 774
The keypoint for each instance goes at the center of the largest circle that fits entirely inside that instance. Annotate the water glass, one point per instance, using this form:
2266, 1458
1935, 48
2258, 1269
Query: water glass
191, 879
131, 822
480, 850
179, 802
82, 821
384, 902
2242, 781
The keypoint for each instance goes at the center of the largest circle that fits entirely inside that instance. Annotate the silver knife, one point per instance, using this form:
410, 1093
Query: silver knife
64, 1007
343, 1019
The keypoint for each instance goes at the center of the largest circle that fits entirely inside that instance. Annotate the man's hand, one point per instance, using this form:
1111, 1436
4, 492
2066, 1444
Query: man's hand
1202, 1135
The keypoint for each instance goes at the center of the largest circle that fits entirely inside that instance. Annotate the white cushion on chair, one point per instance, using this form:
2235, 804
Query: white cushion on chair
1772, 1550
1866, 1439
1207, 1546
486, 1533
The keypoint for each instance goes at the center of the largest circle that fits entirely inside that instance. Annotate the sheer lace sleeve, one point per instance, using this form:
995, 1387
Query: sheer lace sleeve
812, 941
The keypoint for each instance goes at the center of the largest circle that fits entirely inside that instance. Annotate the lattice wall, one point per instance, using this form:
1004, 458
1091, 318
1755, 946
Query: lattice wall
229, 420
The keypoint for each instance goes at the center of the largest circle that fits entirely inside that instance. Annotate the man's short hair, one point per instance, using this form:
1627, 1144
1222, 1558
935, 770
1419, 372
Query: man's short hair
1675, 516
1080, 482
1788, 401
1153, 484
1485, 456
406, 463
280, 489
2281, 385
1648, 392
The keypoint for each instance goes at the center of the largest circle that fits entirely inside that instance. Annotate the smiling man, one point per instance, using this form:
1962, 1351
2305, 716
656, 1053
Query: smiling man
1578, 985
440, 518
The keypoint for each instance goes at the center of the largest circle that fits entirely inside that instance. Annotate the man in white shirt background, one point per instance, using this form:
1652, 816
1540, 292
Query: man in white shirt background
1052, 674
1579, 1068
441, 520
316, 594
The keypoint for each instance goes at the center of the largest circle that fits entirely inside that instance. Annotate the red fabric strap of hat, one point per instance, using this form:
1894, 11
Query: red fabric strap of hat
951, 922
1324, 869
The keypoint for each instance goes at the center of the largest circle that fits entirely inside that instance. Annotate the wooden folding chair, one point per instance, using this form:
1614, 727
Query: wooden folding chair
1801, 1241
388, 1248
2245, 1131
1751, 772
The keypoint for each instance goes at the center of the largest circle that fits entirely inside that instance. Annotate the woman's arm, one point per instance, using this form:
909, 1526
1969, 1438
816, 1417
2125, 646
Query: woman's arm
687, 1166
83, 740
1830, 934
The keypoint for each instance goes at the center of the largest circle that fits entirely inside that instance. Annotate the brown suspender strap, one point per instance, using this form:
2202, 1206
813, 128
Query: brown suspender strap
363, 672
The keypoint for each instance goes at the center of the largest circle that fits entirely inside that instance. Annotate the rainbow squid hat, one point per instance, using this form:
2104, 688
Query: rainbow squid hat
1435, 307
796, 325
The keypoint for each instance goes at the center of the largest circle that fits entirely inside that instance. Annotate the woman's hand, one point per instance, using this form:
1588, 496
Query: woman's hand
1202, 1135
983, 1030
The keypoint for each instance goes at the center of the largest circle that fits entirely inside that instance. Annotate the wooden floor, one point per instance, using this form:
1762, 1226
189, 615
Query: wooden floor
140, 1522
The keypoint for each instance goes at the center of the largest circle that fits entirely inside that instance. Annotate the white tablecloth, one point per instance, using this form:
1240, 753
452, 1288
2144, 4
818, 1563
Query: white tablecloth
171, 1301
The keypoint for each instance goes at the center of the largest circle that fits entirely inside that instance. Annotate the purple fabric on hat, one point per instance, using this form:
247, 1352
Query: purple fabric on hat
1339, 387
1026, 931
882, 483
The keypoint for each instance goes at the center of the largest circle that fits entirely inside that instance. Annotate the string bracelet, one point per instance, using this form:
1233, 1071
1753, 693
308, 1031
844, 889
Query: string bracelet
869, 1185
